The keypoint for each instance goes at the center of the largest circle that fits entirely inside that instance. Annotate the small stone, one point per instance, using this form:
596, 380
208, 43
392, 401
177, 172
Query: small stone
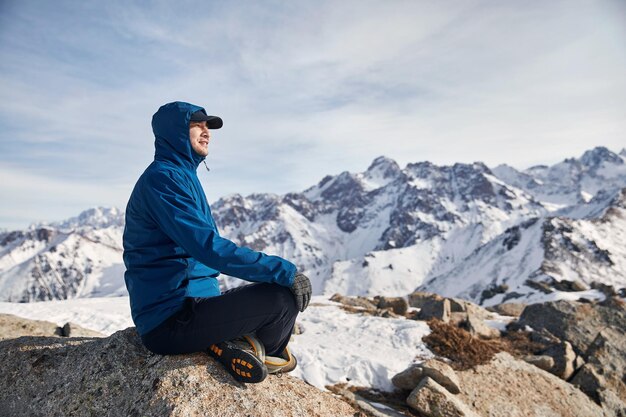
564, 358
544, 362
431, 399
409, 378
441, 373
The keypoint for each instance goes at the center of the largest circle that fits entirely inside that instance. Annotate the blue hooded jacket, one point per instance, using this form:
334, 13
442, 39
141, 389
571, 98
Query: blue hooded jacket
172, 249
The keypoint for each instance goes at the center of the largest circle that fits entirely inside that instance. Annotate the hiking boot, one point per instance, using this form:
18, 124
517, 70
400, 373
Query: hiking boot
283, 363
242, 357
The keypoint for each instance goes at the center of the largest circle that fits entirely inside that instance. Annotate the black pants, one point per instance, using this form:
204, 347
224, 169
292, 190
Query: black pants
269, 310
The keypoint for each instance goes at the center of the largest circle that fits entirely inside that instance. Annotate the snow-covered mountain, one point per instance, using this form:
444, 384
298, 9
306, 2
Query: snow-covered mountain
544, 259
571, 182
80, 257
387, 230
337, 228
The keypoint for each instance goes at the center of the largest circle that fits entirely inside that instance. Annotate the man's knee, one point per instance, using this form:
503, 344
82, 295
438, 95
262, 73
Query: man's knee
283, 298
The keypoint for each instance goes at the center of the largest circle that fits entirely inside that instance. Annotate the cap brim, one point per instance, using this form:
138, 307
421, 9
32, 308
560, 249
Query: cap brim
212, 122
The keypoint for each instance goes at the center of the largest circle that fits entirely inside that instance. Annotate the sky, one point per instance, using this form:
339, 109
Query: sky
305, 89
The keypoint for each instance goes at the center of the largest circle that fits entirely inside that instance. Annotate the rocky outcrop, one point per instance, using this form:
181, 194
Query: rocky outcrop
503, 387
13, 326
117, 376
578, 323
511, 387
595, 332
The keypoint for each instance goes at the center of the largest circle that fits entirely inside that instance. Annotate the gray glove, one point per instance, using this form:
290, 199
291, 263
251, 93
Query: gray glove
301, 290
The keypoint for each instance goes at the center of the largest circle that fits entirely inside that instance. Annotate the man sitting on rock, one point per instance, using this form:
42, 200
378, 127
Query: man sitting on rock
174, 254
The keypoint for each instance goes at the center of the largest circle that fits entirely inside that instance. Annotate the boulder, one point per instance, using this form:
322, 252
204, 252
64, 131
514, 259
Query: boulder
578, 323
589, 381
510, 387
13, 326
409, 378
564, 359
544, 337
397, 304
117, 376
509, 309
417, 298
459, 305
596, 334
435, 369
544, 362
431, 399
606, 356
441, 373
435, 307
477, 327
359, 302
613, 404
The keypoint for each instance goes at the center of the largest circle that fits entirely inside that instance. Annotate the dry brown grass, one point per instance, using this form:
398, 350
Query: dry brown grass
466, 351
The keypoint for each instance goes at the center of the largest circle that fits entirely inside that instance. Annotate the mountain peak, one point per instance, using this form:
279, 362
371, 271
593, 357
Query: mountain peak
599, 154
93, 218
384, 162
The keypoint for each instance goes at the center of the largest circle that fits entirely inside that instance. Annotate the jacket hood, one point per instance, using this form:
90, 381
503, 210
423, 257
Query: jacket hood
170, 125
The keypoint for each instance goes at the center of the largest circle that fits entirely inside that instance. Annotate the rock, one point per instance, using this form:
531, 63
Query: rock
607, 357
605, 289
458, 318
613, 404
74, 330
569, 286
544, 337
578, 363
435, 307
298, 329
457, 305
578, 323
564, 358
13, 326
509, 309
510, 387
117, 376
397, 304
431, 399
409, 378
364, 405
589, 382
478, 328
417, 298
441, 373
614, 302
360, 302
544, 362
386, 313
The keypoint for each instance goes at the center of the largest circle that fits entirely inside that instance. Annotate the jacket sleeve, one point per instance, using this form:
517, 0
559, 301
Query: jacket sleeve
173, 208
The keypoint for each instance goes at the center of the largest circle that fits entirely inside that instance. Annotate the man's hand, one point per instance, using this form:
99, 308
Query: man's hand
301, 290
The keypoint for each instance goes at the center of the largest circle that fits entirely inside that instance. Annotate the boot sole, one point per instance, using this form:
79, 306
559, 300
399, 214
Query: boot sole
243, 366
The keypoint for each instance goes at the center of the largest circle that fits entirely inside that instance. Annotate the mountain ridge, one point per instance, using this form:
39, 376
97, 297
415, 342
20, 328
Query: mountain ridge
387, 230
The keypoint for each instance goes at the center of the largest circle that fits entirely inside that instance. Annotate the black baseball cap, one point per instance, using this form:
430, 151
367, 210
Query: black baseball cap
212, 122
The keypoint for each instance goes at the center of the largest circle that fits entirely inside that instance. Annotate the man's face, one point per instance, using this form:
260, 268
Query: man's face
199, 136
